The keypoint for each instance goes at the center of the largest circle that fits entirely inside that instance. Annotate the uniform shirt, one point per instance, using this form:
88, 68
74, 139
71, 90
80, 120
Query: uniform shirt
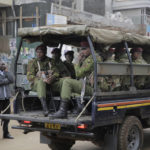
86, 69
63, 71
123, 59
139, 61
70, 67
45, 63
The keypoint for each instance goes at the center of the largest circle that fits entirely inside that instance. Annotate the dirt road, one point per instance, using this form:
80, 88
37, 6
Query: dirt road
31, 142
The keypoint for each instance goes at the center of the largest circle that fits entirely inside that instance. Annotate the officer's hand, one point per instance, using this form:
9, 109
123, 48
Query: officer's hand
45, 80
50, 79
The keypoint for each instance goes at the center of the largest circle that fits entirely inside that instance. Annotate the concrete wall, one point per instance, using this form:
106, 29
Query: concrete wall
95, 6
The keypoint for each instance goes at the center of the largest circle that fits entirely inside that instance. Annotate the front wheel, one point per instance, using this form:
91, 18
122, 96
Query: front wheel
131, 134
61, 144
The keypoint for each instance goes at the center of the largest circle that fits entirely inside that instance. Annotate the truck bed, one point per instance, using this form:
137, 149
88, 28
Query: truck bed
38, 117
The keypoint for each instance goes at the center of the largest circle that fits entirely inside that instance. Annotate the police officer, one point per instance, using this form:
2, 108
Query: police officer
69, 55
62, 70
137, 55
41, 72
138, 59
57, 62
83, 69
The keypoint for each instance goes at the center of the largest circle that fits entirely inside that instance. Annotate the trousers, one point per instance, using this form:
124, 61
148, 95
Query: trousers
3, 106
70, 86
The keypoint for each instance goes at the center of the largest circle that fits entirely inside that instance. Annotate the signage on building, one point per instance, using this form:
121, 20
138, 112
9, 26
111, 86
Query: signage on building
55, 19
148, 30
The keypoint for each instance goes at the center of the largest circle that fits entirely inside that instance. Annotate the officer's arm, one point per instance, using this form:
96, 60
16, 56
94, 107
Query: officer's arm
83, 71
31, 73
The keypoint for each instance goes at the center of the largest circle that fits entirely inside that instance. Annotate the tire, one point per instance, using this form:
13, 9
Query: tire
130, 134
61, 144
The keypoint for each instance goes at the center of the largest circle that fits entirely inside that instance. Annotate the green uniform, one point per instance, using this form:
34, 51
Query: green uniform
70, 67
63, 73
140, 80
36, 65
74, 86
122, 58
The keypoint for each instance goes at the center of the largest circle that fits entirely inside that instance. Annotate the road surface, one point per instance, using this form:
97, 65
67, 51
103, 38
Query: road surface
31, 142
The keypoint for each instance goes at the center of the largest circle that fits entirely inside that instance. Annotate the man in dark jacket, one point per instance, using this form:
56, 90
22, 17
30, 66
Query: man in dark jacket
5, 93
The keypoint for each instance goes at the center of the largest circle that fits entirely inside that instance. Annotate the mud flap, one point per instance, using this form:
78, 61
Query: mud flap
111, 139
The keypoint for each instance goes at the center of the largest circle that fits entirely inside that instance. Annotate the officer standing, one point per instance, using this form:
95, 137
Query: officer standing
69, 55
41, 73
83, 69
5, 93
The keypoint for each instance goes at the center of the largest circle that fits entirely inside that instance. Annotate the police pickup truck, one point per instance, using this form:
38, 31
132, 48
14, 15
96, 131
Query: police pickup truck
115, 119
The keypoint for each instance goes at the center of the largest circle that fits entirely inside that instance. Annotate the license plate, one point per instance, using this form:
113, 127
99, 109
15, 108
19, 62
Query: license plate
52, 126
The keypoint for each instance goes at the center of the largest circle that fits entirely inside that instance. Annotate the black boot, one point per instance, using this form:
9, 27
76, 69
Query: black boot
62, 112
44, 106
78, 107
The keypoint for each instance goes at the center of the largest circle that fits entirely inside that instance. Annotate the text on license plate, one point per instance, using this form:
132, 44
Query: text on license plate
53, 126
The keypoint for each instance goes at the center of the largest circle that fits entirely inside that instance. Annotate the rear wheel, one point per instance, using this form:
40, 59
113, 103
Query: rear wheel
61, 144
131, 134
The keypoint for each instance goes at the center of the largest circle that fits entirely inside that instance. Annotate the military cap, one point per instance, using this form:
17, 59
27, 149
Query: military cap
41, 47
70, 52
56, 50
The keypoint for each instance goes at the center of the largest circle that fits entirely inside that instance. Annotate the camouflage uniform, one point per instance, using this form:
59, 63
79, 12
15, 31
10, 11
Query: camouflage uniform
36, 65
70, 67
75, 86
